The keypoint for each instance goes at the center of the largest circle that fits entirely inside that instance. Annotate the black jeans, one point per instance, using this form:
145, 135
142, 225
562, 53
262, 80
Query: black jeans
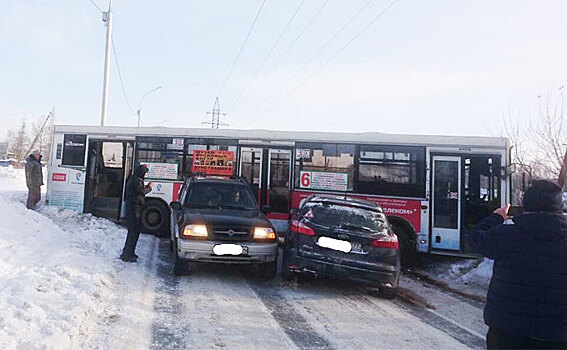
496, 339
133, 224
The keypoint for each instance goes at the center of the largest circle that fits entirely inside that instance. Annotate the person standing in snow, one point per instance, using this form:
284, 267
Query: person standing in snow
34, 178
134, 196
526, 305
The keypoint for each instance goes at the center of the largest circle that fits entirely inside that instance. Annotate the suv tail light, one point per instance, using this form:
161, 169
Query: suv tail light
387, 241
301, 228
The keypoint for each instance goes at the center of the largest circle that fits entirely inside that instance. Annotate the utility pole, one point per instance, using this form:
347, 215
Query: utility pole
107, 18
215, 116
563, 171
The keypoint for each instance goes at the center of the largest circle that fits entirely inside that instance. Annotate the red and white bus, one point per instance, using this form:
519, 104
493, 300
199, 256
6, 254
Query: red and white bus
433, 188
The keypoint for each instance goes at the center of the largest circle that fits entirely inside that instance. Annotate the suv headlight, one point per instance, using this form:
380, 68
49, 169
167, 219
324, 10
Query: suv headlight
264, 233
195, 231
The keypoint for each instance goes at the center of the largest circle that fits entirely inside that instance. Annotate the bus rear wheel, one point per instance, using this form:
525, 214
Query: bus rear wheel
155, 218
406, 240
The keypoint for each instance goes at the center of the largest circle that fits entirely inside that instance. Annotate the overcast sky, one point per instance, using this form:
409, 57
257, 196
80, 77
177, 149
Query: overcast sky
425, 67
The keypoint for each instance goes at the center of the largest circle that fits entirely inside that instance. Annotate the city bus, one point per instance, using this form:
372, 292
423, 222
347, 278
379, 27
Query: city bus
433, 188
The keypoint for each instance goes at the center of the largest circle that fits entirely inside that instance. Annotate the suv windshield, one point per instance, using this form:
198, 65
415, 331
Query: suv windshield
344, 216
220, 195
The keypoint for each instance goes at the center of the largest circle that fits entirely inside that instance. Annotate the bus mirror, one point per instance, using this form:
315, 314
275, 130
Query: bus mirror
175, 205
266, 209
509, 170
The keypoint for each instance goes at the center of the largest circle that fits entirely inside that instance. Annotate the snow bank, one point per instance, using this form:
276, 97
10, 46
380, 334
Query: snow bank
62, 285
477, 272
12, 179
481, 274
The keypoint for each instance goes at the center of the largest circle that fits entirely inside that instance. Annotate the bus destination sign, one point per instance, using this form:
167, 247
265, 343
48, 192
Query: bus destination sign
212, 162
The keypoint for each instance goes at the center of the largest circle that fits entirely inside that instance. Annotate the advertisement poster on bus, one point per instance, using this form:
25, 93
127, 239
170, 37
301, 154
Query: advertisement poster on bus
323, 180
66, 189
408, 209
164, 171
212, 162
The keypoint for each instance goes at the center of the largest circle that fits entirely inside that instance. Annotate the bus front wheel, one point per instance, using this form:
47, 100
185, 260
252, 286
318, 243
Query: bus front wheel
155, 218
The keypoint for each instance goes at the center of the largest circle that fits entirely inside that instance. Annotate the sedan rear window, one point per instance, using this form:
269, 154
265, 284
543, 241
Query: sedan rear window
337, 215
219, 195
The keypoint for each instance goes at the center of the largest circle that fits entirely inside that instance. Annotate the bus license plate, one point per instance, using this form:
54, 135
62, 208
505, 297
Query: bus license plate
230, 249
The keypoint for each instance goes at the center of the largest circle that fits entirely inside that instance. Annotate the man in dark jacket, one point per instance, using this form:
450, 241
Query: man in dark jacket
34, 179
134, 196
526, 306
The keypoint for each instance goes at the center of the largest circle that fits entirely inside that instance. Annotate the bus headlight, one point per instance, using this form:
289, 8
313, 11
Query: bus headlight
195, 231
264, 233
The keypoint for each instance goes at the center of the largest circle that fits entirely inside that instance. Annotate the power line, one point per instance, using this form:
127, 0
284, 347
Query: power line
351, 19
268, 54
241, 48
329, 60
297, 38
120, 78
95, 5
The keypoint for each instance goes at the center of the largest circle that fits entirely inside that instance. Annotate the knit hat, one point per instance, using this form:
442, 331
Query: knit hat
543, 195
35, 152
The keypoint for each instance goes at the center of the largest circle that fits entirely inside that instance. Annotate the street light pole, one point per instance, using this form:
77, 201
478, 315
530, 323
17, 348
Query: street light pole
107, 17
139, 111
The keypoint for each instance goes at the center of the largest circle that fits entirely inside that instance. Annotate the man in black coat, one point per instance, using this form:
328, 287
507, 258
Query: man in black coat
526, 306
34, 179
134, 196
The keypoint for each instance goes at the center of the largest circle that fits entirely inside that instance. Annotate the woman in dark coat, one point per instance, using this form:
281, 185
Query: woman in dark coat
134, 196
526, 306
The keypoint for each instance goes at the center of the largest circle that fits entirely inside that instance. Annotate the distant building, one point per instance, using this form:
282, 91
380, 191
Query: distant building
3, 150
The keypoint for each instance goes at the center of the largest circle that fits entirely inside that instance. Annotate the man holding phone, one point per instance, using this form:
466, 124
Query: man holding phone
526, 305
134, 196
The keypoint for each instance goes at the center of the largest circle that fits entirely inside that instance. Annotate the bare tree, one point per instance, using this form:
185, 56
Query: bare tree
42, 132
550, 134
19, 142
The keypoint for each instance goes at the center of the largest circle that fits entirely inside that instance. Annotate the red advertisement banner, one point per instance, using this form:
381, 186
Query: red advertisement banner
213, 162
59, 177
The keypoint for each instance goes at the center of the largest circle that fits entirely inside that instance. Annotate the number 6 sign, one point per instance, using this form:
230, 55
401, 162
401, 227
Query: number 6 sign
305, 179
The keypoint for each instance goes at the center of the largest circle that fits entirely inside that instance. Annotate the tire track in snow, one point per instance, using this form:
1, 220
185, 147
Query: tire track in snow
292, 322
169, 331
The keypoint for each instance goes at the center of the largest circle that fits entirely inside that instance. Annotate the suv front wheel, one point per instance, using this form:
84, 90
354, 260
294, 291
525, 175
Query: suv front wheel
268, 270
180, 266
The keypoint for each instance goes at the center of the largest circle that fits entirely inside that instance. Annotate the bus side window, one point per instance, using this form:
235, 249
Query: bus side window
74, 147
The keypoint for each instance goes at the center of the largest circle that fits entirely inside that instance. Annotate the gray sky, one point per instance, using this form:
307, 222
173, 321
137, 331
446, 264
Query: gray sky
426, 67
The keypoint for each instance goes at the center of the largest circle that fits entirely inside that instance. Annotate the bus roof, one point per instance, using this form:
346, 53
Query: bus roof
283, 136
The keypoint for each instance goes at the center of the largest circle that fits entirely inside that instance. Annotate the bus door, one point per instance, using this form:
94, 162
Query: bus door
446, 203
268, 171
107, 168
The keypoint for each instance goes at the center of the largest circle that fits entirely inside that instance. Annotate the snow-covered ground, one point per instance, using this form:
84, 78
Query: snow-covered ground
61, 284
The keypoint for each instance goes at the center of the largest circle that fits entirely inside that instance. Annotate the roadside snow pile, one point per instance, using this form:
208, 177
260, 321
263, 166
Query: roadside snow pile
12, 179
60, 279
469, 271
481, 274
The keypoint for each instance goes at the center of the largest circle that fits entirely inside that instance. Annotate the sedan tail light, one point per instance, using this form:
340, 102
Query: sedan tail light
301, 228
387, 241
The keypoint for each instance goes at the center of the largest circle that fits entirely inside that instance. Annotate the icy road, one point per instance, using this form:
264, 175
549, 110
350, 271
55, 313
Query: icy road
62, 287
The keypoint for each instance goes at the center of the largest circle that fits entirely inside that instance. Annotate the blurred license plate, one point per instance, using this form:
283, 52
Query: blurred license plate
356, 247
335, 244
229, 249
